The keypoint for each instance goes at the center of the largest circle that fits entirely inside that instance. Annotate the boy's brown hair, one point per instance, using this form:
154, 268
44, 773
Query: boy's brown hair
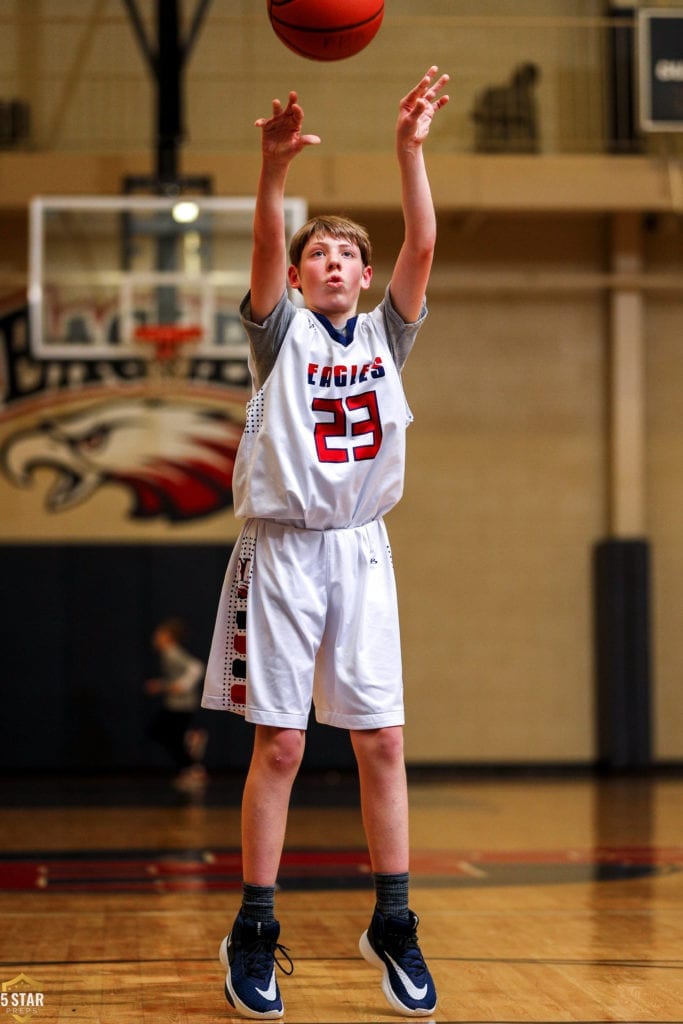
336, 227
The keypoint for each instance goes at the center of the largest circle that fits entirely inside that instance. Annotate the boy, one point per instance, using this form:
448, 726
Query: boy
310, 593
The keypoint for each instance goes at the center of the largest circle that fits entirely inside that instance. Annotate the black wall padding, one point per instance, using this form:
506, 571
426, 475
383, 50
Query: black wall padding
75, 628
623, 653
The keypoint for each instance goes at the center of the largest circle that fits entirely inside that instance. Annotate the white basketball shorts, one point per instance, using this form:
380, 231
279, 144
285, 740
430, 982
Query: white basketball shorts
315, 614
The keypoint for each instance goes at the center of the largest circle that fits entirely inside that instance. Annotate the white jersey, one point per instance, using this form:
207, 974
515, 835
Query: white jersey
324, 440
323, 449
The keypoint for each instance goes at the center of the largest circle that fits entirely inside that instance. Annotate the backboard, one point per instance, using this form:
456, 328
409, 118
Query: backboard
101, 268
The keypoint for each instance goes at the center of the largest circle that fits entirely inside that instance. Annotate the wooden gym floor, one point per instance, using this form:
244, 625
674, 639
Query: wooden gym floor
540, 898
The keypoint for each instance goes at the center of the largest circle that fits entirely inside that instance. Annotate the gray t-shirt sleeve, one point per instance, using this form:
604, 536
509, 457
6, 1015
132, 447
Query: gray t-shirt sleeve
265, 340
400, 335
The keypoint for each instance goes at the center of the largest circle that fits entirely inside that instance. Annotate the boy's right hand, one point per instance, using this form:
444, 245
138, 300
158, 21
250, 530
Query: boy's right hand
417, 109
281, 137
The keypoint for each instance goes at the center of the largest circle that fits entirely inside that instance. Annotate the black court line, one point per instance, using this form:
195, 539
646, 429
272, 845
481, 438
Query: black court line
626, 964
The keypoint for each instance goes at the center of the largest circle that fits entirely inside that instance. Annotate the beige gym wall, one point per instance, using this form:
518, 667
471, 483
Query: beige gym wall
508, 458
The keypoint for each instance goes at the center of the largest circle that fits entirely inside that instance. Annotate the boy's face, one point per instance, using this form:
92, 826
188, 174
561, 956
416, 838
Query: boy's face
331, 277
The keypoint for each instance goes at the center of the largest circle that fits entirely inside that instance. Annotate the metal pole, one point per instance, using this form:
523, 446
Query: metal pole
169, 93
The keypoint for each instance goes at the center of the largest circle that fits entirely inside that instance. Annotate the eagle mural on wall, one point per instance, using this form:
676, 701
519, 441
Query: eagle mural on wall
173, 456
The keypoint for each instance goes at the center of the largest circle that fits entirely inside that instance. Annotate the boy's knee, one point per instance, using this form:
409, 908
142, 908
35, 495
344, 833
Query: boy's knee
381, 745
390, 745
281, 749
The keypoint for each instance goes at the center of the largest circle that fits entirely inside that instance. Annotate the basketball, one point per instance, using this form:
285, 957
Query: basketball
326, 29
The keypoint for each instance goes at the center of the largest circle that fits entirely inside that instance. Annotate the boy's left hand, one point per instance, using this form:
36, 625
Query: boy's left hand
417, 109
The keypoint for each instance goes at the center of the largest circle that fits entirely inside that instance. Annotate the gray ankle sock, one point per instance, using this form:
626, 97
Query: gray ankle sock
258, 902
392, 894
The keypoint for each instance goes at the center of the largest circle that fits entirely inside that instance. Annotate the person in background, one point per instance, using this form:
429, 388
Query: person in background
174, 725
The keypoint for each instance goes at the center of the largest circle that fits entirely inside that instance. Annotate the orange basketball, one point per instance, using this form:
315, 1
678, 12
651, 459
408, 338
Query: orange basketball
326, 29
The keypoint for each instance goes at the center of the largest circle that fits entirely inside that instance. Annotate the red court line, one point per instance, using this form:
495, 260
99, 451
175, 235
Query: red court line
166, 870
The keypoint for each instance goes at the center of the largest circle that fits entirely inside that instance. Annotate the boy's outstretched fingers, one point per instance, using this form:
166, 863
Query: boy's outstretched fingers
426, 92
282, 130
278, 110
429, 89
417, 109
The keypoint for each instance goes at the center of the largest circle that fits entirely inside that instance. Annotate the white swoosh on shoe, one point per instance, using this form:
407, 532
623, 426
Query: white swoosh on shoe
413, 991
271, 992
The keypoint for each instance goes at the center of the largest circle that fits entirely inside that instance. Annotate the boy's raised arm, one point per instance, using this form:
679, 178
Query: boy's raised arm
414, 262
281, 141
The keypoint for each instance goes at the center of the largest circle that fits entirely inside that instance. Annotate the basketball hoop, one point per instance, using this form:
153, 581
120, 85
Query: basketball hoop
167, 338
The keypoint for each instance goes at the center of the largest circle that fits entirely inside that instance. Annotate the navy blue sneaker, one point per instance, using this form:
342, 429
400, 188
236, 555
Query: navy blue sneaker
390, 943
248, 954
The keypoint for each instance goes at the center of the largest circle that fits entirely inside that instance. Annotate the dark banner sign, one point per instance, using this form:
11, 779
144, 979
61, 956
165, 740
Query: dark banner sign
660, 70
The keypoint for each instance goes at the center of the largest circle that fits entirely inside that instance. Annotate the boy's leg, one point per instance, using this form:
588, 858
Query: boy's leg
248, 952
384, 797
390, 943
274, 764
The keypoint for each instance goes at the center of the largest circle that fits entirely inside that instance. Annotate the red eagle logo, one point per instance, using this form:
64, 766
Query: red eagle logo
176, 458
